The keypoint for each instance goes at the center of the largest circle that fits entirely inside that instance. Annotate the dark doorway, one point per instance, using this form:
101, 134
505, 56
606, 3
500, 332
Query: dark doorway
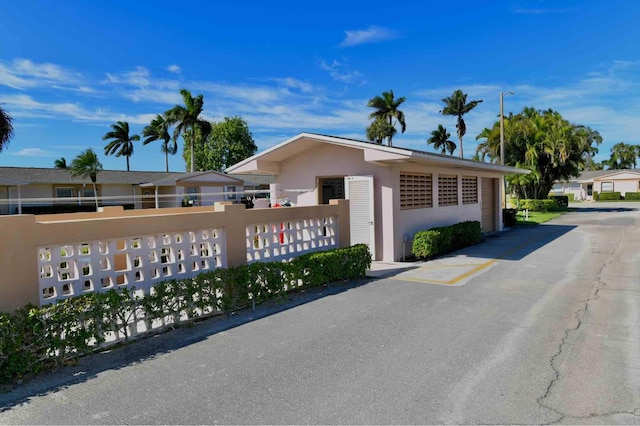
331, 189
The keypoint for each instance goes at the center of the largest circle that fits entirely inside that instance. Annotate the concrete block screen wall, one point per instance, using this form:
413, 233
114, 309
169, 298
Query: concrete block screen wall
47, 258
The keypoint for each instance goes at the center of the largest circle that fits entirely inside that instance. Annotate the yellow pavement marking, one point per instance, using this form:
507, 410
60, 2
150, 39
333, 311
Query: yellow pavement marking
478, 267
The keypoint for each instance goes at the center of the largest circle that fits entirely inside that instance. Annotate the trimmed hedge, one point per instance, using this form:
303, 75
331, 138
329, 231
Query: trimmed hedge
596, 196
561, 200
538, 205
441, 240
37, 338
609, 196
632, 196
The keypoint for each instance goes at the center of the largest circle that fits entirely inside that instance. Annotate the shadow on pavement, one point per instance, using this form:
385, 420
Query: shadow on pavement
601, 209
516, 243
153, 346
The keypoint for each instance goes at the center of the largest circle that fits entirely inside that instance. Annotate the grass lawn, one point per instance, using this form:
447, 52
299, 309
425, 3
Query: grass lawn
536, 218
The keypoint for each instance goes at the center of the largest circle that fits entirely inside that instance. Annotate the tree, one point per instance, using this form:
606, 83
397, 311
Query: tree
386, 108
6, 128
60, 163
159, 130
380, 130
122, 143
623, 156
440, 140
228, 143
545, 143
457, 105
187, 121
86, 165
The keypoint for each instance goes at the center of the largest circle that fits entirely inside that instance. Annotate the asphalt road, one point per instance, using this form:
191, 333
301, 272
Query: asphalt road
549, 334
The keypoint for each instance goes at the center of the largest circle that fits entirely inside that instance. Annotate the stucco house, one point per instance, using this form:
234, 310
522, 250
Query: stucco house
583, 186
393, 192
39, 190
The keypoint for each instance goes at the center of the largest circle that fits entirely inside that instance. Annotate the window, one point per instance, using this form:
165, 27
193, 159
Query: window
87, 192
606, 187
192, 193
230, 192
64, 192
331, 189
415, 191
469, 190
447, 190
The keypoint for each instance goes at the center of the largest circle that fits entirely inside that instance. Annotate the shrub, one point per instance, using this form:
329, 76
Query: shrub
437, 241
561, 200
571, 196
538, 205
632, 196
609, 196
596, 196
35, 338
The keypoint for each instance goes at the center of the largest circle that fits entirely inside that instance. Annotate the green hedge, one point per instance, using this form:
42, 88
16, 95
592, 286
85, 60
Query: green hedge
437, 241
632, 196
596, 196
609, 196
37, 338
561, 200
538, 205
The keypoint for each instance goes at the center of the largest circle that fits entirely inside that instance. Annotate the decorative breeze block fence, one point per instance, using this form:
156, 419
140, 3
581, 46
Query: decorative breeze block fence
52, 257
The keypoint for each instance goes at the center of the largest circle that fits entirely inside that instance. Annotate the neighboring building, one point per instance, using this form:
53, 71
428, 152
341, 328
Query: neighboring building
43, 190
393, 192
583, 186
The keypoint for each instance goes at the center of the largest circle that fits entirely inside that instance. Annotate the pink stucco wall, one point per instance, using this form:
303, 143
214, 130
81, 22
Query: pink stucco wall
303, 170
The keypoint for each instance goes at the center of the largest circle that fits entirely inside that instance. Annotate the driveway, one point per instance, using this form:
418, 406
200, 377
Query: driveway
548, 333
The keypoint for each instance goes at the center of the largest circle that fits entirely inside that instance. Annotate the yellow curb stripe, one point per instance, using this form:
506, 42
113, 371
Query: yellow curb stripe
461, 265
474, 270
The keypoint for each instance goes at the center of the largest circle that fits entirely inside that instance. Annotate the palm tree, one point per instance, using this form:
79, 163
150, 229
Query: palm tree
6, 128
159, 130
379, 130
122, 143
87, 165
187, 119
457, 105
440, 140
386, 108
60, 163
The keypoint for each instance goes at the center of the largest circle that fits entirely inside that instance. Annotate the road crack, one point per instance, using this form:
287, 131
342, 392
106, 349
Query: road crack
578, 315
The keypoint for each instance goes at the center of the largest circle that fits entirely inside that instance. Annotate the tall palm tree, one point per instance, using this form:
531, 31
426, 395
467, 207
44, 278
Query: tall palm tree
187, 119
440, 140
122, 143
6, 128
386, 108
86, 165
159, 130
457, 105
379, 130
60, 163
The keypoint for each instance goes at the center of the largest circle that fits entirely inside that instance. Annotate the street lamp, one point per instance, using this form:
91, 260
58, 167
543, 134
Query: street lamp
502, 126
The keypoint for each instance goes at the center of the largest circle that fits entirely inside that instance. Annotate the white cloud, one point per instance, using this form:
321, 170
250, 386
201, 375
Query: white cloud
174, 69
25, 74
32, 152
338, 72
373, 34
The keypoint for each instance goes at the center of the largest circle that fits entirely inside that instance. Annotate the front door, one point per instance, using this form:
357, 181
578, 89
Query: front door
488, 205
148, 198
359, 192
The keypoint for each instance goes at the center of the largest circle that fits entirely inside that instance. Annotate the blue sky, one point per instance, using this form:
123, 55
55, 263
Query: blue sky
69, 69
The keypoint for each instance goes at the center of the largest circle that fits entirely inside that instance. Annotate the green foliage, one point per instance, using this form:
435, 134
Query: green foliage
623, 156
6, 128
561, 200
386, 109
632, 196
539, 205
571, 196
437, 241
609, 196
121, 142
440, 140
36, 338
545, 143
227, 143
457, 105
596, 195
379, 130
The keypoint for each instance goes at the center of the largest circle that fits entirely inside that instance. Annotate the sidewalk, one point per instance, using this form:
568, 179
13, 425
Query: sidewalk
457, 268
